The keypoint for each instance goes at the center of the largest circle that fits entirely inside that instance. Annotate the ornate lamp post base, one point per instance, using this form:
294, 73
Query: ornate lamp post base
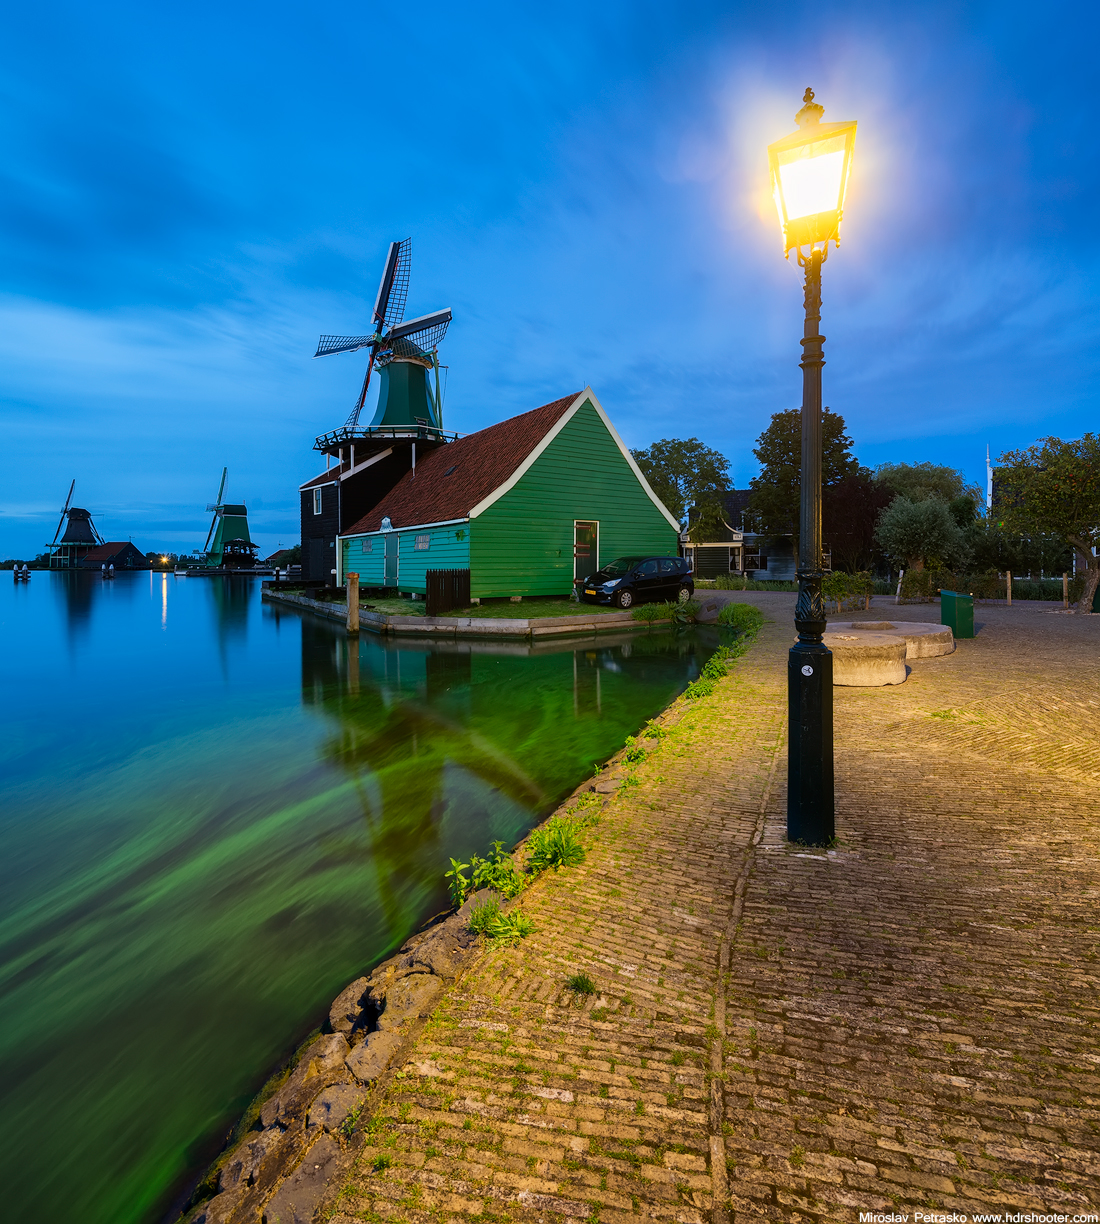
810, 813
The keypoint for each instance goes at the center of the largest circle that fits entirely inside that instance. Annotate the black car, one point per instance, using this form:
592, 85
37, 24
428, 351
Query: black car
627, 581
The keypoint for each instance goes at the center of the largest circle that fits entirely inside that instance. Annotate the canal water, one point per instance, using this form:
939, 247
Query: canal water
215, 814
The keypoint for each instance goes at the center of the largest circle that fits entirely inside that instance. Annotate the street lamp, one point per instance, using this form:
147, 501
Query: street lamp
810, 171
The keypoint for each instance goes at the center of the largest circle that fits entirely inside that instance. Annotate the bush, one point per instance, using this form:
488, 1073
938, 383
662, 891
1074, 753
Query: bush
678, 613
555, 844
733, 582
847, 590
925, 585
742, 617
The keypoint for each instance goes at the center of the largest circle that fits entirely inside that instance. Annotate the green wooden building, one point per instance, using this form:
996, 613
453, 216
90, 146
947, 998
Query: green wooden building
527, 505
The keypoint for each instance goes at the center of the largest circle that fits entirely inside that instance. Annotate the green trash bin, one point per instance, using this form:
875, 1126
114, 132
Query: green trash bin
957, 613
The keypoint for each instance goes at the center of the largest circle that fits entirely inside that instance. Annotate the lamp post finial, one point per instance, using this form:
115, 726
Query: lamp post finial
811, 112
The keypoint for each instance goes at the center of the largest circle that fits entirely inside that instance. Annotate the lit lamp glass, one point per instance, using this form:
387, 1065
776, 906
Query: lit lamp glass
810, 170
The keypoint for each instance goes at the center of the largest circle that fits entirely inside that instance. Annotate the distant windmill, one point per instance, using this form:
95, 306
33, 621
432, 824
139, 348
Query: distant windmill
229, 530
393, 340
79, 538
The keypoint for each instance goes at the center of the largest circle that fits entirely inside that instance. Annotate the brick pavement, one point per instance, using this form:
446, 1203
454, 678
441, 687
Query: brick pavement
781, 1034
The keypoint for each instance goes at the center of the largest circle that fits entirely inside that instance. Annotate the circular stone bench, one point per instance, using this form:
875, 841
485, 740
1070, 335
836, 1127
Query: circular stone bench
922, 640
866, 660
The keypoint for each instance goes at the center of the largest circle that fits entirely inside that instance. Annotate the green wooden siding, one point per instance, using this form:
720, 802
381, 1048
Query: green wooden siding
445, 551
523, 543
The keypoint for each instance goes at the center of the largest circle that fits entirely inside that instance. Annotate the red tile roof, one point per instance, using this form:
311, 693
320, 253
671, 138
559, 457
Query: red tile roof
108, 550
482, 462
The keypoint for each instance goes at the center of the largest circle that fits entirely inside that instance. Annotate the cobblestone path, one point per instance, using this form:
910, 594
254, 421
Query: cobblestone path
908, 1020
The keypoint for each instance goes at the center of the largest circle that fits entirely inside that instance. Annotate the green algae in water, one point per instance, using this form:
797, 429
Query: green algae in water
216, 814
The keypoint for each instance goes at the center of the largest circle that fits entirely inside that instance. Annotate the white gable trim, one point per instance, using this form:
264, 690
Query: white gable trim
338, 475
587, 395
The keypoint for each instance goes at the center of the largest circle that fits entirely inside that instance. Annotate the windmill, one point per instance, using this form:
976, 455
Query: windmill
404, 401
80, 535
232, 547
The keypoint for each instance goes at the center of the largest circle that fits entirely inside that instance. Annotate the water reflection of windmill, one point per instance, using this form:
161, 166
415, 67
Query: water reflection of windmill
232, 545
371, 459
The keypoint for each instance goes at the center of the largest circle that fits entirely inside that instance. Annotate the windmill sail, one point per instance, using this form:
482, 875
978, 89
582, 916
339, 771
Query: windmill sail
427, 331
341, 344
65, 510
389, 308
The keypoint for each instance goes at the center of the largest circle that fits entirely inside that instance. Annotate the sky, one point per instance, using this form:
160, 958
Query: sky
191, 194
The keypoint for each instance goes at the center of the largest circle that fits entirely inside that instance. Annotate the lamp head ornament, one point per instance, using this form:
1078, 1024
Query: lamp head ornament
811, 112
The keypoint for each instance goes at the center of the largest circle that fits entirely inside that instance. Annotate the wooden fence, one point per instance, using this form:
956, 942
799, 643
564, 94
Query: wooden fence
447, 589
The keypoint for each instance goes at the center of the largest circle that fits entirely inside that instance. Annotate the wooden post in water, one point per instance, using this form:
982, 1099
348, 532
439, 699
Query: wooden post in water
1065, 590
353, 603
1008, 586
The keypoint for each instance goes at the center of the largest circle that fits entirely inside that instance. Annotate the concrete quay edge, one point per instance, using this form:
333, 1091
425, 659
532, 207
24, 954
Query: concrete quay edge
468, 626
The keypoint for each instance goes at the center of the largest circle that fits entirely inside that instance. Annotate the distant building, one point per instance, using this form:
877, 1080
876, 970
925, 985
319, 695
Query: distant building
745, 551
120, 553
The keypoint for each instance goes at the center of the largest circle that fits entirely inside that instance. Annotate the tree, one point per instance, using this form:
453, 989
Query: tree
777, 490
685, 473
1054, 487
850, 509
922, 533
918, 481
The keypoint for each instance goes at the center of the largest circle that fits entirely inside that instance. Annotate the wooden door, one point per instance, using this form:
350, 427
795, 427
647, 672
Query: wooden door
586, 547
393, 556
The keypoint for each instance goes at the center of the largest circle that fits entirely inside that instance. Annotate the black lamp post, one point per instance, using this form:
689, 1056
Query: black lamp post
810, 171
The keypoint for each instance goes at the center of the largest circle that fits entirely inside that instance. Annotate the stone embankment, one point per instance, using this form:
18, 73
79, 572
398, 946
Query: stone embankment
278, 1170
905, 1020
532, 628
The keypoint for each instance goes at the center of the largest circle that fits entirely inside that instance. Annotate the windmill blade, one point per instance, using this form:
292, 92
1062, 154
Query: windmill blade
68, 503
353, 417
210, 533
221, 487
427, 331
341, 344
394, 289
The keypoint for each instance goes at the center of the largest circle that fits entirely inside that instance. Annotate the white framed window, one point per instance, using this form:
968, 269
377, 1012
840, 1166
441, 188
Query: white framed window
423, 543
316, 501
368, 546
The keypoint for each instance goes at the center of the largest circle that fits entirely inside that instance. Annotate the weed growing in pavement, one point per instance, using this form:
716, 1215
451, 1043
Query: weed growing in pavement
585, 810
581, 983
497, 872
347, 1127
458, 884
488, 920
634, 752
555, 844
